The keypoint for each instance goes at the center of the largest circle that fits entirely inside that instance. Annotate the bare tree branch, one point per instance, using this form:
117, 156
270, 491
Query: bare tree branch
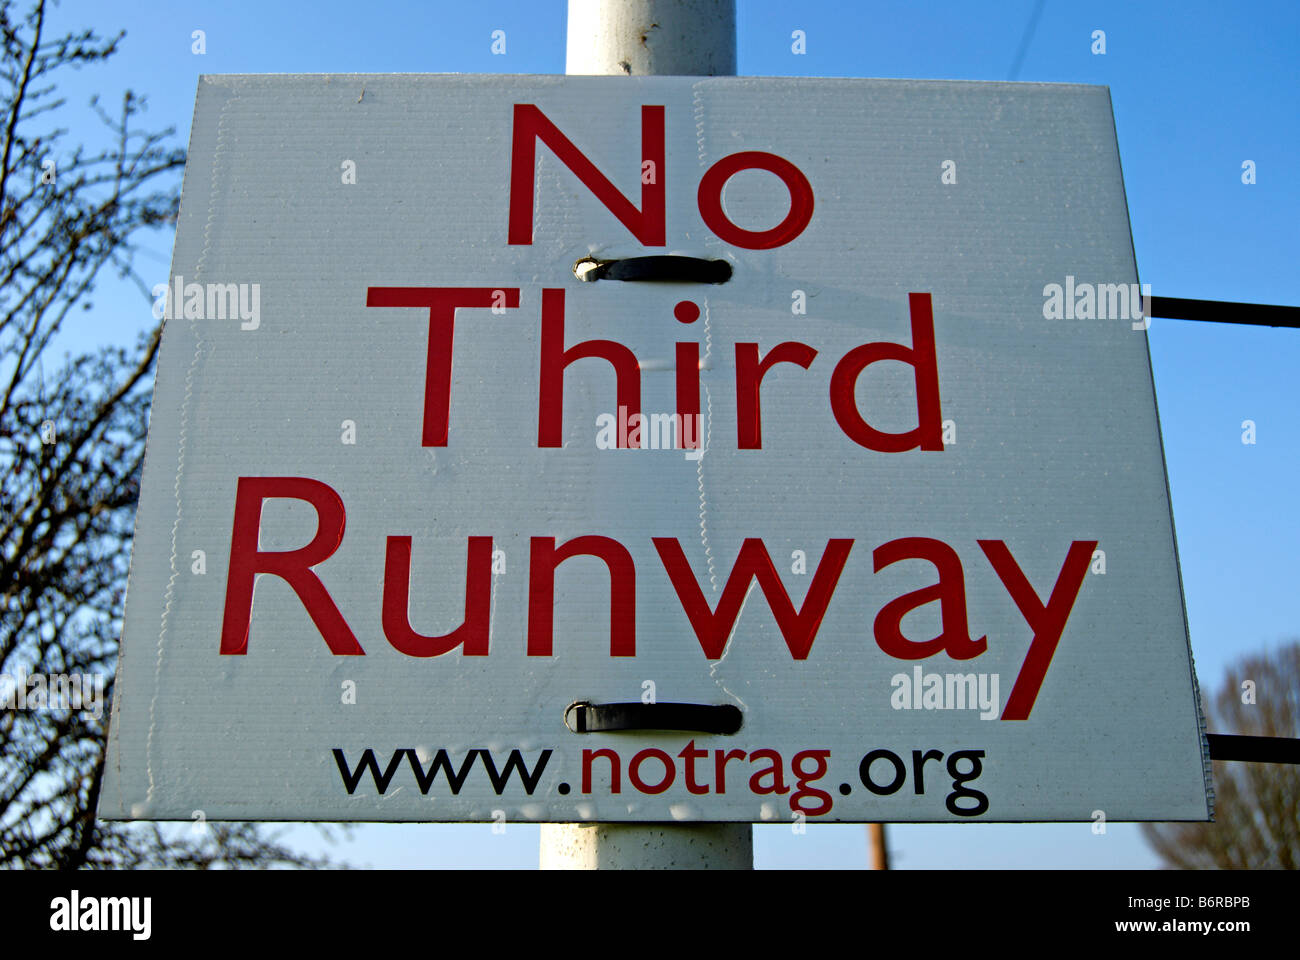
71, 449
1257, 805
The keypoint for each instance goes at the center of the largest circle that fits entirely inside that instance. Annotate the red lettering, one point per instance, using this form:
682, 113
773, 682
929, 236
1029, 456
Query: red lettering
634, 770
950, 591
550, 404
750, 371
544, 558
291, 566
715, 178
588, 756
690, 754
720, 760
822, 801
688, 395
775, 771
473, 631
712, 629
441, 303
1046, 622
531, 125
928, 434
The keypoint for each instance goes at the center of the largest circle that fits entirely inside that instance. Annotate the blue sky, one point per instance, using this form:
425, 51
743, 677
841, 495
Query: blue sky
1197, 89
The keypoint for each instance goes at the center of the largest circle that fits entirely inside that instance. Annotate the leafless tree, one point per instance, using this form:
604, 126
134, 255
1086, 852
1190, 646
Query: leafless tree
71, 446
1257, 805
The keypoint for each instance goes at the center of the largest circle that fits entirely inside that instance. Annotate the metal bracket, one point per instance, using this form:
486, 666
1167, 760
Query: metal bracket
583, 716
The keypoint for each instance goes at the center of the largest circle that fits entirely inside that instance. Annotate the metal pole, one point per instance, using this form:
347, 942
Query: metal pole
641, 38
673, 38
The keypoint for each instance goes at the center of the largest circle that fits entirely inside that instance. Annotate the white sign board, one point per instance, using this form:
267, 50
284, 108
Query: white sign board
894, 491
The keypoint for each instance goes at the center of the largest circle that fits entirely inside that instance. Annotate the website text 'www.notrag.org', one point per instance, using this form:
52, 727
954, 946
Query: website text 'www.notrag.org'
652, 771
